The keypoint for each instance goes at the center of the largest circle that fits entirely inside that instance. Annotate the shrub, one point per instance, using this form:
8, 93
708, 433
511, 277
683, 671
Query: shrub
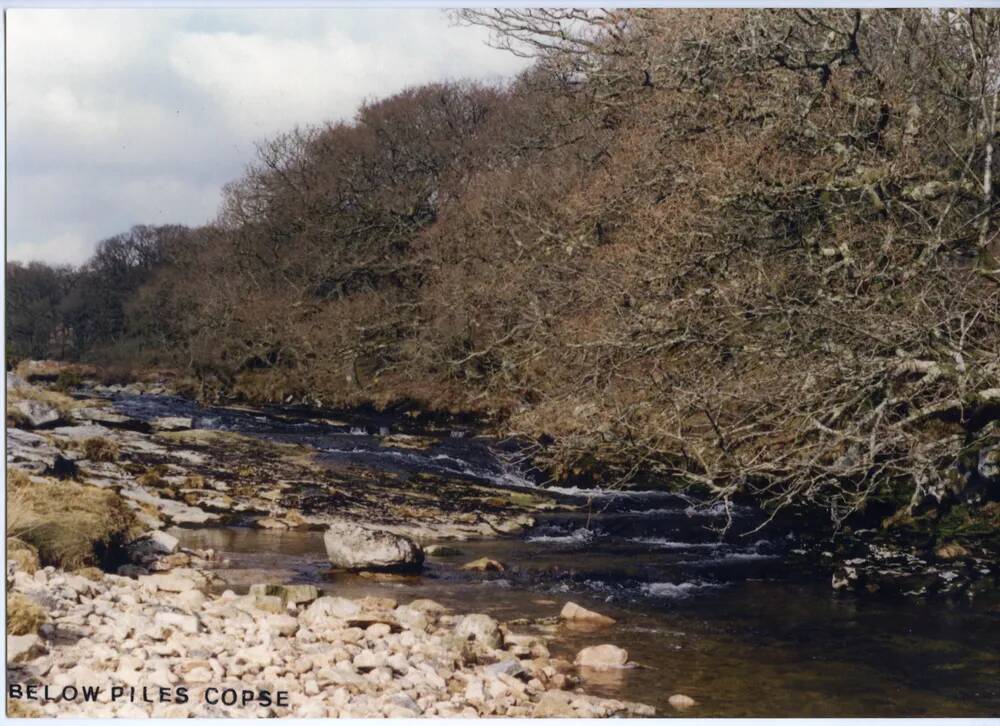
99, 448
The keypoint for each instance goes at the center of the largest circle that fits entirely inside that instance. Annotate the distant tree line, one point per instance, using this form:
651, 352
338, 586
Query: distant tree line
752, 251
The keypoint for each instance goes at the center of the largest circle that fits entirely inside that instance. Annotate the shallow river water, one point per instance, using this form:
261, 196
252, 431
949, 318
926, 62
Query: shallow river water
722, 619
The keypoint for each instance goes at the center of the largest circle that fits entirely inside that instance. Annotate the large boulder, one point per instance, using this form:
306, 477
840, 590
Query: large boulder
354, 547
37, 414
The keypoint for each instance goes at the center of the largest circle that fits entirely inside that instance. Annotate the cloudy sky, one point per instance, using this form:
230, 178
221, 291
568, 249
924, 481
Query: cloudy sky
122, 117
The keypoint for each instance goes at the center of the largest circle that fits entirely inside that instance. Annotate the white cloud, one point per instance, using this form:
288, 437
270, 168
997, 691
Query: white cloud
118, 117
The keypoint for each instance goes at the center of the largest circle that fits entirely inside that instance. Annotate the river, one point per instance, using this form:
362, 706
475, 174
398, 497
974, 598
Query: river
723, 618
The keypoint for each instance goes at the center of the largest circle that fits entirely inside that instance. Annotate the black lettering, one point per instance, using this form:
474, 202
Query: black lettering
282, 698
14, 691
181, 696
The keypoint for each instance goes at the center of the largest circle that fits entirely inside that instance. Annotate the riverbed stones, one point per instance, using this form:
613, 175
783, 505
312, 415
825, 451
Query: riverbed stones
352, 546
602, 657
576, 614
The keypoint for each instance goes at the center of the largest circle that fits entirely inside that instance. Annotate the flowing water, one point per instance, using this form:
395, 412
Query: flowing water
722, 618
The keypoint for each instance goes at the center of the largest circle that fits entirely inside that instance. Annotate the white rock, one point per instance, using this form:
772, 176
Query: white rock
681, 701
600, 657
354, 547
177, 621
163, 542
480, 628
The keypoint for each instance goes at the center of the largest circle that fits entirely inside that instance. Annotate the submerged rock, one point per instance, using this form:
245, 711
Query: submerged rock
681, 702
484, 564
354, 547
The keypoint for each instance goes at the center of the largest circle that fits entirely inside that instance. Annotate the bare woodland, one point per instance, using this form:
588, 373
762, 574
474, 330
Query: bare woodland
755, 252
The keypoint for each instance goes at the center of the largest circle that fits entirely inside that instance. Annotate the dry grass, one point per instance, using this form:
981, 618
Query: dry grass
23, 554
99, 448
23, 615
59, 401
70, 525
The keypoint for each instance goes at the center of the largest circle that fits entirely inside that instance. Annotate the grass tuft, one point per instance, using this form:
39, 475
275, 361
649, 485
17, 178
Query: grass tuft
70, 525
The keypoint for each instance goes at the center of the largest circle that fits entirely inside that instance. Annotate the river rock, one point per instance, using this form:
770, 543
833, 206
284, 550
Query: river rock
484, 564
574, 613
354, 547
601, 657
681, 702
480, 628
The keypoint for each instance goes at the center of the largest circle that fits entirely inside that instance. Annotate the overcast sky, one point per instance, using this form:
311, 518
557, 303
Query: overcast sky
122, 117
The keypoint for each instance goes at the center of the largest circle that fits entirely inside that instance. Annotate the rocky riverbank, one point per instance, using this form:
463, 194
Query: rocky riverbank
149, 634
291, 653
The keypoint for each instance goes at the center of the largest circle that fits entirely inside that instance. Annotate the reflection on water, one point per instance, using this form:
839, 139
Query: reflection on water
756, 647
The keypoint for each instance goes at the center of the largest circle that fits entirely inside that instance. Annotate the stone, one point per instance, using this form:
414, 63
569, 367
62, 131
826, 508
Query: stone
177, 621
574, 613
329, 607
484, 564
282, 624
601, 657
681, 701
354, 547
481, 629
23, 648
162, 542
168, 582
509, 667
35, 413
